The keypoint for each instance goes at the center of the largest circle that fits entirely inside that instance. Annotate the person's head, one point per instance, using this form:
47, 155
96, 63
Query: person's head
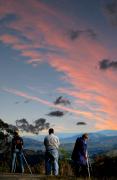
85, 136
51, 131
16, 133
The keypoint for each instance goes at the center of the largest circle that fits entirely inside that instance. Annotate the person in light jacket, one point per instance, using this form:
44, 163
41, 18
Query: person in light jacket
51, 143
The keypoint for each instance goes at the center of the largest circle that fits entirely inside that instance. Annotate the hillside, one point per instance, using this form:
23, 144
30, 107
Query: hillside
33, 144
99, 142
102, 151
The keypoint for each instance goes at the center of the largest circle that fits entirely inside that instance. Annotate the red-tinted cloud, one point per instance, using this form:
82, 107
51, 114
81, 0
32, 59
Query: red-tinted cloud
45, 28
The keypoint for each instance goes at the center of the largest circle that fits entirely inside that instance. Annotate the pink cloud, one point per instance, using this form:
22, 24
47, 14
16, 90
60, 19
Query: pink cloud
9, 39
84, 74
34, 25
79, 59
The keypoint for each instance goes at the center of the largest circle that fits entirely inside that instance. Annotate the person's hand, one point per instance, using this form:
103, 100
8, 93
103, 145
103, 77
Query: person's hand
85, 157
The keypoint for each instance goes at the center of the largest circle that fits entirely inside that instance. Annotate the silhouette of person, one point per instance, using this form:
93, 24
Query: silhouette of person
17, 156
79, 156
51, 143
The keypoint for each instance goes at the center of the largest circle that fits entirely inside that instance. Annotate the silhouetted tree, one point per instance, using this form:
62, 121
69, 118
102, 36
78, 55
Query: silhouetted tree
38, 125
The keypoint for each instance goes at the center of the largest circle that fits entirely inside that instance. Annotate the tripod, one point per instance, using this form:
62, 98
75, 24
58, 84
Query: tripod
14, 161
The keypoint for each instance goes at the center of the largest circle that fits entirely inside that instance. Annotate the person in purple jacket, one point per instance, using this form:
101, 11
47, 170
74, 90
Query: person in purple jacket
79, 156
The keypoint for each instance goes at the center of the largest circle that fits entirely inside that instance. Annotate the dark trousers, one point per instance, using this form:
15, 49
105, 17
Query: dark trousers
80, 169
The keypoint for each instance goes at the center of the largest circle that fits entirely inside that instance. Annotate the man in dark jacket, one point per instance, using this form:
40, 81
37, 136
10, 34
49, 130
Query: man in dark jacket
17, 156
79, 156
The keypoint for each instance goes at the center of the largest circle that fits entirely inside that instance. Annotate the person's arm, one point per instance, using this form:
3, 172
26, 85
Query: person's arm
58, 142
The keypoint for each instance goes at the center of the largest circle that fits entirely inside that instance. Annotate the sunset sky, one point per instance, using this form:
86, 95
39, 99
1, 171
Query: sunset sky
53, 48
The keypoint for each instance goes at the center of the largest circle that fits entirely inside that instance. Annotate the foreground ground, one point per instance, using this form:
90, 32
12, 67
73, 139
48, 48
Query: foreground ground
35, 177
43, 177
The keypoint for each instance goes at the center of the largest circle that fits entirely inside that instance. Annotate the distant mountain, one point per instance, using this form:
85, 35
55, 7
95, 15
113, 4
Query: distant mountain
71, 137
32, 144
41, 137
108, 132
99, 142
94, 136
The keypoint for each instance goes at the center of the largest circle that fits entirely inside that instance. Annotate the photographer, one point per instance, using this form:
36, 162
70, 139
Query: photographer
17, 156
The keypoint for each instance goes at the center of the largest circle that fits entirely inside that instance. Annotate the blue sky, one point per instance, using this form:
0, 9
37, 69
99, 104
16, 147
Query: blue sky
51, 48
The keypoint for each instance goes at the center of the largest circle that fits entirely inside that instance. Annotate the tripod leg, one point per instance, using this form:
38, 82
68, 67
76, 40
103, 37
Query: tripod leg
13, 163
27, 163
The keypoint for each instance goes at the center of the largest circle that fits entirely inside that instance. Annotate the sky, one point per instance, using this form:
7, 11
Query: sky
59, 48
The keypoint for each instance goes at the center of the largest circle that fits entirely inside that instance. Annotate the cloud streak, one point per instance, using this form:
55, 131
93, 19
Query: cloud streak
61, 100
75, 34
38, 32
107, 64
80, 123
111, 11
47, 103
56, 113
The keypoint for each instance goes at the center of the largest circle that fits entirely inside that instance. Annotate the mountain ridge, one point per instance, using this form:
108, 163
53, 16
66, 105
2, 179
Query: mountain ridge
98, 142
